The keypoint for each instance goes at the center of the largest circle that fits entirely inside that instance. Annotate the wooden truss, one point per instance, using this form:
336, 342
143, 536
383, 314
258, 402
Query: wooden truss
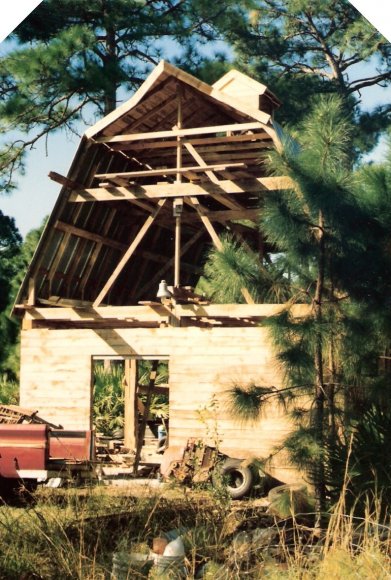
212, 173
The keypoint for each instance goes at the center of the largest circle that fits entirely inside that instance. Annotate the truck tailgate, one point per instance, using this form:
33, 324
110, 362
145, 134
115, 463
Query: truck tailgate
72, 446
22, 447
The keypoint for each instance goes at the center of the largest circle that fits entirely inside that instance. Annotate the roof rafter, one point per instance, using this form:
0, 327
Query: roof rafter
214, 179
87, 235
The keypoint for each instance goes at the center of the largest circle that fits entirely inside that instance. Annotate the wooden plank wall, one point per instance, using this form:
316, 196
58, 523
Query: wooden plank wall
203, 365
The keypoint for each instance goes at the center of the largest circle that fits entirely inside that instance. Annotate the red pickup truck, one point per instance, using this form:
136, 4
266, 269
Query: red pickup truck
33, 453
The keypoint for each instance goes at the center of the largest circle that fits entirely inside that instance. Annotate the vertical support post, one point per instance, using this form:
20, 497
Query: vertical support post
178, 203
130, 394
177, 209
141, 435
177, 266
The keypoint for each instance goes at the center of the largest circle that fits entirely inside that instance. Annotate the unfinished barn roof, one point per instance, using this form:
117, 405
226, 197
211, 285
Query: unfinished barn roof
177, 143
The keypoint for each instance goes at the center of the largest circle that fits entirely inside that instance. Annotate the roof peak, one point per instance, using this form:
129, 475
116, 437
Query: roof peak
231, 82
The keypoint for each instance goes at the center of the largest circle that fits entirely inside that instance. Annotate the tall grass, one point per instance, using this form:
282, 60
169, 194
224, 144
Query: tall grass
72, 534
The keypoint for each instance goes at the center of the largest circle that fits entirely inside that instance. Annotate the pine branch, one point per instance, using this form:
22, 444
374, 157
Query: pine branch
368, 82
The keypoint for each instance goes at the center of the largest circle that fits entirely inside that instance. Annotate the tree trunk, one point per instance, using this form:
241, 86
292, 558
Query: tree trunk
110, 99
331, 392
319, 393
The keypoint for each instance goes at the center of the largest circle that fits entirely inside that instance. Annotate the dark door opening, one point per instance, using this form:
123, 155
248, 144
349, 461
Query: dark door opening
130, 400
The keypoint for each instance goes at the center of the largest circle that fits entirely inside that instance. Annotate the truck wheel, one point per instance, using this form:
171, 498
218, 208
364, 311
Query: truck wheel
237, 479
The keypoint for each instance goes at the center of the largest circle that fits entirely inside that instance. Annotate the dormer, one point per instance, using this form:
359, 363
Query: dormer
251, 93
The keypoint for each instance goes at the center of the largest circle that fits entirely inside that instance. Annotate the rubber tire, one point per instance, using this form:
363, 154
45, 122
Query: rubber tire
237, 478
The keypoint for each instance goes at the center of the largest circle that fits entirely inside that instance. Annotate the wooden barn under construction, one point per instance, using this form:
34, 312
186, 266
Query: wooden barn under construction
152, 186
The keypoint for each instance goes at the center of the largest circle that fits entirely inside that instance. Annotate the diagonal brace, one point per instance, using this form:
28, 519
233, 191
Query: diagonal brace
129, 252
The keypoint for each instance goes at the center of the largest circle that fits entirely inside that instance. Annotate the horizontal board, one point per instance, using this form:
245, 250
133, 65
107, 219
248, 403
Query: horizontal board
147, 312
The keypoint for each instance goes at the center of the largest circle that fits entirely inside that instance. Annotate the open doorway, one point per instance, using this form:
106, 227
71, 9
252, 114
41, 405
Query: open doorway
130, 402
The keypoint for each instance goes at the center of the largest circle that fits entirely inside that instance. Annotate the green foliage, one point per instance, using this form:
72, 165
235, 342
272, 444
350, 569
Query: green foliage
10, 251
331, 230
10, 241
15, 257
9, 391
108, 398
319, 168
236, 267
366, 456
159, 405
109, 395
347, 256
301, 49
304, 449
373, 190
294, 342
245, 403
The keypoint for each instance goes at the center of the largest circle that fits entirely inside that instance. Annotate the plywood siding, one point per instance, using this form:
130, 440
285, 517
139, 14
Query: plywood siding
203, 365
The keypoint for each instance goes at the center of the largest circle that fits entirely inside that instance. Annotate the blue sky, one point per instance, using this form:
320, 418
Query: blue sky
36, 193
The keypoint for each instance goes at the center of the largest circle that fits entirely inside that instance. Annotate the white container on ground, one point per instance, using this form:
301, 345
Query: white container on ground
172, 562
170, 566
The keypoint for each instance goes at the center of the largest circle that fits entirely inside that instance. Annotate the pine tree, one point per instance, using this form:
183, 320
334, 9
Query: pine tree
236, 267
15, 256
331, 235
304, 223
303, 48
10, 247
75, 61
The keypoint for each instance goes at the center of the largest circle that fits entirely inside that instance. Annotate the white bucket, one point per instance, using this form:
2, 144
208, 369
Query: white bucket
173, 566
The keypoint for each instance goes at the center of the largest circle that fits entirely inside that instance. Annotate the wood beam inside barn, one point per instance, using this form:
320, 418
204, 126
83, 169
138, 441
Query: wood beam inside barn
167, 189
82, 233
169, 171
258, 138
157, 312
181, 132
